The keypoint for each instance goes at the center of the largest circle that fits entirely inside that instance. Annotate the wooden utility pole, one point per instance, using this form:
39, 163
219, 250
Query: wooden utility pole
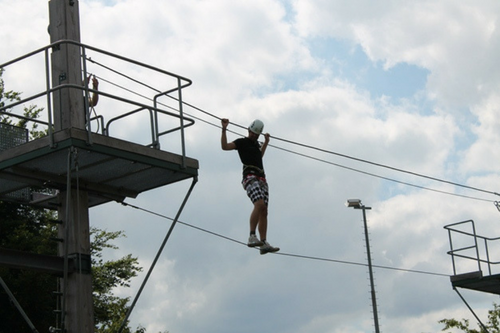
66, 64
76, 286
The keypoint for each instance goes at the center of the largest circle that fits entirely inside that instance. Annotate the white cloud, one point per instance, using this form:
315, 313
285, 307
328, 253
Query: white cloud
453, 40
484, 152
235, 46
256, 60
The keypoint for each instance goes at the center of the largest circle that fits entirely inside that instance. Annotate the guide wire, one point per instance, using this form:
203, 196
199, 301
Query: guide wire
385, 166
282, 253
378, 176
322, 150
360, 160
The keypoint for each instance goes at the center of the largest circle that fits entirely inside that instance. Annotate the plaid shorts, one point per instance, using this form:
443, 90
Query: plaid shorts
256, 188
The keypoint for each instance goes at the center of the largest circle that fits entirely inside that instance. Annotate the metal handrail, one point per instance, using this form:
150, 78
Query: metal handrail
154, 110
458, 252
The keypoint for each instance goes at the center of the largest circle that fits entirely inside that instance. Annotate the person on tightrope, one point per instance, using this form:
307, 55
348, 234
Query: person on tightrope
254, 180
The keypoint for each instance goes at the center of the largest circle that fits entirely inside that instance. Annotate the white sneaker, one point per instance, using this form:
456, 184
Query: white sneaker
253, 241
266, 248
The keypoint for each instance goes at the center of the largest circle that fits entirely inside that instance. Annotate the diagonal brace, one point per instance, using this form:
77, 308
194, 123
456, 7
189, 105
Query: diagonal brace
467, 304
18, 306
158, 254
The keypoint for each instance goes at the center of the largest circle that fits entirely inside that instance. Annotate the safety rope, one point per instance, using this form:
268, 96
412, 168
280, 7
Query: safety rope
322, 149
66, 236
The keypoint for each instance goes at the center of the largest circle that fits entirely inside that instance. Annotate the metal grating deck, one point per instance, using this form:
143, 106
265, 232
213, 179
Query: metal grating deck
109, 169
476, 281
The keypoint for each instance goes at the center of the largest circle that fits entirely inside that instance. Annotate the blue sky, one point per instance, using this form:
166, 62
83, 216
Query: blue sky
350, 62
408, 84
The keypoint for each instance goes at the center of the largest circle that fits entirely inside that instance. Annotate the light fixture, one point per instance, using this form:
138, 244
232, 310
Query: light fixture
356, 203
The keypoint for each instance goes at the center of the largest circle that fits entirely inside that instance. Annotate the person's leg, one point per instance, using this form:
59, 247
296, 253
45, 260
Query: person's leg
258, 192
258, 218
256, 196
262, 224
255, 218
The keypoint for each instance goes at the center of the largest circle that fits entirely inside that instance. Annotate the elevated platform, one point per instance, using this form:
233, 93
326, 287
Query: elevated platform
109, 169
466, 246
476, 281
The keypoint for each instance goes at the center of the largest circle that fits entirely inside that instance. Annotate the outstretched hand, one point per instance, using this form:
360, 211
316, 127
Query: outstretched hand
95, 83
267, 136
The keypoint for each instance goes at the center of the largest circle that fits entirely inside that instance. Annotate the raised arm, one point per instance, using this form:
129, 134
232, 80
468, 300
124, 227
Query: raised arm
223, 140
267, 136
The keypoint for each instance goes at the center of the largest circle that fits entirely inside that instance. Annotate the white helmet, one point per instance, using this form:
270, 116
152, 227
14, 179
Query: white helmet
256, 127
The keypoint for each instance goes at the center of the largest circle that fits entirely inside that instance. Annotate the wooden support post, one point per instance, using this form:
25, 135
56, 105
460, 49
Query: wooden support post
76, 286
66, 64
78, 313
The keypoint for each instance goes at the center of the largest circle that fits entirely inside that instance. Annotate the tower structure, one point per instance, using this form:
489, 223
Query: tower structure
474, 261
82, 168
76, 304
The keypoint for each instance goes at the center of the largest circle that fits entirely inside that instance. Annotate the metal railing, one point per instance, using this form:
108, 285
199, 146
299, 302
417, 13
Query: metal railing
476, 248
155, 111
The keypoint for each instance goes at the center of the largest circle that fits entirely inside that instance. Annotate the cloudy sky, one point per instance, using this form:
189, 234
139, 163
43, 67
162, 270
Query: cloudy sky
342, 86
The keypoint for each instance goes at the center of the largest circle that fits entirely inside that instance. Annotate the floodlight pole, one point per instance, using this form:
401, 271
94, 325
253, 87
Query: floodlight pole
359, 205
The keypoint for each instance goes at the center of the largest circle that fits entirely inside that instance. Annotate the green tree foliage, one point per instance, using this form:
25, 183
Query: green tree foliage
32, 230
31, 112
8, 95
492, 325
110, 310
26, 229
